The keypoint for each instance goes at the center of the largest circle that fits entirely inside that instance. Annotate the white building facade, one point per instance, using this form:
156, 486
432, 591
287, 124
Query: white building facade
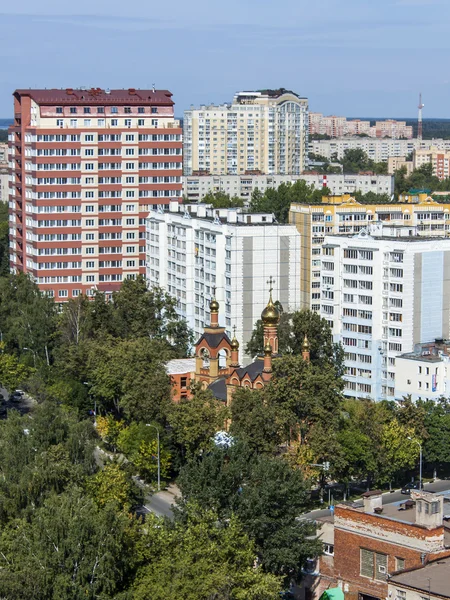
378, 149
424, 374
192, 249
381, 296
195, 187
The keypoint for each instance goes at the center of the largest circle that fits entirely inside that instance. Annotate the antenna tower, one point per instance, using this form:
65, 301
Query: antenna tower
419, 120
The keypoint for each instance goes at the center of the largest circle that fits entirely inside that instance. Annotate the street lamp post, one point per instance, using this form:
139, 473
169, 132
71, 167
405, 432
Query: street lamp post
420, 460
159, 461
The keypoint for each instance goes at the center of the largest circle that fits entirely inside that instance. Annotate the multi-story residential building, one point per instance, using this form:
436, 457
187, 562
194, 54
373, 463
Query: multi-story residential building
265, 131
376, 149
337, 127
392, 129
332, 125
343, 214
357, 127
381, 295
398, 162
194, 249
86, 168
4, 173
378, 547
195, 187
424, 373
440, 160
4, 154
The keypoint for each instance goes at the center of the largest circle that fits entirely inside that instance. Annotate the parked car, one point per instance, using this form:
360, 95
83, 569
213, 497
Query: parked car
16, 396
414, 485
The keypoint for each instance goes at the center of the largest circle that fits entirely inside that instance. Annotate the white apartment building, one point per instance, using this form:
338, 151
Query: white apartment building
424, 373
264, 130
439, 160
195, 187
378, 149
382, 295
192, 249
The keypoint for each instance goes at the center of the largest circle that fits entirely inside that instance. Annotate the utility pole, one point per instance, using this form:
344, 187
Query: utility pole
419, 120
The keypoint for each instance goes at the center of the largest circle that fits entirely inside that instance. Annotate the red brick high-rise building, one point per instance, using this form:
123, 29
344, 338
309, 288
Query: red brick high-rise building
86, 167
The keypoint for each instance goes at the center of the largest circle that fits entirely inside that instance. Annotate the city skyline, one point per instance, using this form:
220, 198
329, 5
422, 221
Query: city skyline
346, 58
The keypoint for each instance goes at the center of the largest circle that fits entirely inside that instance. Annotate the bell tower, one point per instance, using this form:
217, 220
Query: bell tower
270, 317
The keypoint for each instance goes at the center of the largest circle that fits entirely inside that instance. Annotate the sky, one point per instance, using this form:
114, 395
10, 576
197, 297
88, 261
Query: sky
351, 58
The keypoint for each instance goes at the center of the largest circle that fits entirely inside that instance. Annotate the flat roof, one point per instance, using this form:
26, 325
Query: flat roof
97, 96
179, 366
433, 578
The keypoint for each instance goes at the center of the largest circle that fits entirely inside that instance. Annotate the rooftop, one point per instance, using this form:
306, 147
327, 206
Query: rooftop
433, 578
179, 366
97, 96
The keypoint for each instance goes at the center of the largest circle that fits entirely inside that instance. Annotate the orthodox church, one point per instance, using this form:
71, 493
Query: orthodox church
217, 357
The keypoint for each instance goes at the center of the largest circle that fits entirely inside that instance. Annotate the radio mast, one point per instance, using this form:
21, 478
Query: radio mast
419, 120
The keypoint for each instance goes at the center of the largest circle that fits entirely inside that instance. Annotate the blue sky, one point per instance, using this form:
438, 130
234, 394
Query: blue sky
353, 57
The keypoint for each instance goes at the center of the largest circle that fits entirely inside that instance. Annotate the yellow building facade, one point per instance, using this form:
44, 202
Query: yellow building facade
419, 213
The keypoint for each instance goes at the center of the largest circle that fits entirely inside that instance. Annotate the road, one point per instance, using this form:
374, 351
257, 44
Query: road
161, 503
387, 498
24, 406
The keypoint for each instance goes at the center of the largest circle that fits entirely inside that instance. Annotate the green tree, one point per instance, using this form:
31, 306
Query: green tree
222, 200
28, 318
128, 376
199, 558
71, 549
12, 372
113, 484
291, 333
260, 424
142, 312
194, 422
138, 443
265, 493
399, 453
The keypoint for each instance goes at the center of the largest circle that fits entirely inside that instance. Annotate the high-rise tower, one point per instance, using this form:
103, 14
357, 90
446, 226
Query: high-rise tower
419, 120
86, 167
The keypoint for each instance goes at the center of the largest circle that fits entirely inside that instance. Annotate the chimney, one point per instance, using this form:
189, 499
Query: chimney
373, 501
429, 509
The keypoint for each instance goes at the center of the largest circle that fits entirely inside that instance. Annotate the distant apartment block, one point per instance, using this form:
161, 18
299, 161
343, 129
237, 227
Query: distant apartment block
265, 131
343, 214
87, 166
192, 249
440, 161
337, 127
382, 293
4, 154
195, 187
398, 162
377, 149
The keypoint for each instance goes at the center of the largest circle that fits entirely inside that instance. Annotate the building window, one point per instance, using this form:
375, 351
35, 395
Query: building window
328, 549
131, 263
73, 110
59, 122
90, 264
75, 293
59, 110
63, 293
89, 137
399, 564
141, 122
114, 122
373, 565
87, 110
100, 109
87, 122
114, 110
141, 110
400, 595
154, 109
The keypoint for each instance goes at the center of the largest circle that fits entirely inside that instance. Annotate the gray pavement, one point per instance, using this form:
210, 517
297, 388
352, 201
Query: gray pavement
161, 503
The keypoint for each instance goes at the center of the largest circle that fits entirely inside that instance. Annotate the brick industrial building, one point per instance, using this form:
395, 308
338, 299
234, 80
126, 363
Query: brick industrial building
86, 167
365, 545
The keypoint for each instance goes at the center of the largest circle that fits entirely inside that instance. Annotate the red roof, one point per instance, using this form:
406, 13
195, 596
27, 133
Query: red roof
97, 96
